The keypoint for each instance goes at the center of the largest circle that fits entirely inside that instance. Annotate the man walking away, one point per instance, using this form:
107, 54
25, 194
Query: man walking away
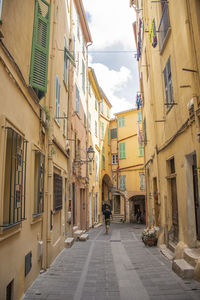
107, 213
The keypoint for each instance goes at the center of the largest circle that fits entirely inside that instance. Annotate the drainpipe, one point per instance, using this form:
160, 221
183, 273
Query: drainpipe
50, 135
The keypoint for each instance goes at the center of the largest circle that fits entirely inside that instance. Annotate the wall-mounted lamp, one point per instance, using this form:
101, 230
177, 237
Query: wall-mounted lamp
90, 157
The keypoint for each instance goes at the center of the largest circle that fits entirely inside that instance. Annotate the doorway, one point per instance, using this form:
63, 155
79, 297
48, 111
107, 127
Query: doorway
196, 196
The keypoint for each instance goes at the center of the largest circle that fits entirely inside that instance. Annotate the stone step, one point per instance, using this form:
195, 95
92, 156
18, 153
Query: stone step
77, 234
166, 252
97, 225
183, 269
171, 246
69, 242
192, 255
84, 237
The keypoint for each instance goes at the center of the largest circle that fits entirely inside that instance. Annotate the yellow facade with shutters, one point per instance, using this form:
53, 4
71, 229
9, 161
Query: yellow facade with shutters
127, 165
169, 63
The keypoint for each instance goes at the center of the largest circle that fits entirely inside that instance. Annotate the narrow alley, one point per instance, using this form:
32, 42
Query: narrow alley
114, 266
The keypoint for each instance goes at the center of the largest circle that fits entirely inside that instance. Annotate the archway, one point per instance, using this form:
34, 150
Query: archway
137, 202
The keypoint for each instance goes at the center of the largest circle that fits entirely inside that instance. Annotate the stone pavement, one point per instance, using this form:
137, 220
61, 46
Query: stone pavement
114, 266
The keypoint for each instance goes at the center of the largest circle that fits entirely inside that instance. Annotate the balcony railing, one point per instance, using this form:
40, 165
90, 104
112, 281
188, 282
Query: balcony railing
164, 27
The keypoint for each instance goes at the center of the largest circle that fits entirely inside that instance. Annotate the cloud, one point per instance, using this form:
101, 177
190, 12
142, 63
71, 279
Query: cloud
110, 22
113, 83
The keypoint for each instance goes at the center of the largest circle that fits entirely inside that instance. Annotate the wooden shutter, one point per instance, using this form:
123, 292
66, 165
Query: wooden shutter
114, 133
57, 189
122, 150
40, 46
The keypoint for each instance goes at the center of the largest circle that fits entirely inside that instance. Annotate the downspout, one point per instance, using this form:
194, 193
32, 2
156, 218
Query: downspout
50, 137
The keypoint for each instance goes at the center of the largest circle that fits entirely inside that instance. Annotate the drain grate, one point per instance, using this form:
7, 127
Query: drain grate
115, 240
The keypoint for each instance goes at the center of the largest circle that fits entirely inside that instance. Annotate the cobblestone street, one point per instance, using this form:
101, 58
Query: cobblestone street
114, 266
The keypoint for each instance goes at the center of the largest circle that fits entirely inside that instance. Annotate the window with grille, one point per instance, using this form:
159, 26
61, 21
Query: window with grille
28, 263
121, 121
57, 192
57, 99
122, 182
77, 100
113, 133
122, 150
39, 183
168, 84
15, 178
40, 48
114, 159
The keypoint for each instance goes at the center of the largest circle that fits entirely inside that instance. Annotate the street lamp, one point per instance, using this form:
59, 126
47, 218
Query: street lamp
90, 153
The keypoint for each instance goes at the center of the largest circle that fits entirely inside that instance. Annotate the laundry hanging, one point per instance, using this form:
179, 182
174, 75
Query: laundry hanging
152, 34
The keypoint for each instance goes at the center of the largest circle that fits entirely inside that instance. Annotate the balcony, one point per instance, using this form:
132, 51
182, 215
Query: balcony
164, 27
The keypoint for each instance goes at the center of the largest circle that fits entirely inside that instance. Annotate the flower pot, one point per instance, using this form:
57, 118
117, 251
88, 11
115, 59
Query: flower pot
150, 241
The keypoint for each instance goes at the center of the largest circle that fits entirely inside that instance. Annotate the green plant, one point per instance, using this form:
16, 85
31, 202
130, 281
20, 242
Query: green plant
47, 113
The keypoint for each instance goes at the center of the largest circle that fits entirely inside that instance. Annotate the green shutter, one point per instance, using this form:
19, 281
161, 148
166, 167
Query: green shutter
122, 182
142, 181
121, 122
40, 46
103, 158
141, 152
102, 130
139, 117
122, 150
70, 56
114, 133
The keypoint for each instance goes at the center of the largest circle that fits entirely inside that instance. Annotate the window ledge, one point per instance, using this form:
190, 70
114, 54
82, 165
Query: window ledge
36, 218
9, 231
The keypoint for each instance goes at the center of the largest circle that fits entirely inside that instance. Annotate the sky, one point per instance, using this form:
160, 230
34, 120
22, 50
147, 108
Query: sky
110, 23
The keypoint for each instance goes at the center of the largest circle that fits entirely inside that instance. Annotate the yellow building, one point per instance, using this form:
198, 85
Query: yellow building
128, 194
34, 155
94, 97
169, 60
105, 158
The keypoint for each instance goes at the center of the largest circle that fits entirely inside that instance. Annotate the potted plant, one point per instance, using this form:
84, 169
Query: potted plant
149, 237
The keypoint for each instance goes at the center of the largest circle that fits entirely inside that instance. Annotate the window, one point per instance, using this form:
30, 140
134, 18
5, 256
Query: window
39, 183
85, 119
64, 123
83, 48
113, 133
40, 48
57, 192
83, 76
77, 100
1, 1
89, 87
95, 103
114, 159
101, 106
57, 100
122, 182
141, 150
90, 121
108, 113
65, 75
103, 158
102, 130
122, 150
74, 45
139, 117
121, 122
96, 131
168, 84
15, 178
142, 181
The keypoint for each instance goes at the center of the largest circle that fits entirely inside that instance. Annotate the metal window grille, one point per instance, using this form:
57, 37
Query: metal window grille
57, 189
15, 179
28, 262
39, 182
